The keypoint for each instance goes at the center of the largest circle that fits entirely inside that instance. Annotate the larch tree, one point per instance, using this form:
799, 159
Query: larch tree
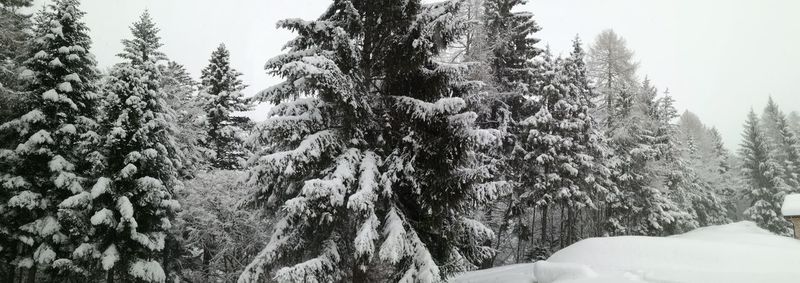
52, 153
222, 97
133, 205
369, 152
613, 71
764, 186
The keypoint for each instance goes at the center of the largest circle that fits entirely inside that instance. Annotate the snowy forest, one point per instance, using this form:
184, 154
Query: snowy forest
408, 141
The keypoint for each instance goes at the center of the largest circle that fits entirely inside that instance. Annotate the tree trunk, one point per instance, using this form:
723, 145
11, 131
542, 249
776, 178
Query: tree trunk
110, 276
544, 238
359, 276
11, 272
563, 229
32, 274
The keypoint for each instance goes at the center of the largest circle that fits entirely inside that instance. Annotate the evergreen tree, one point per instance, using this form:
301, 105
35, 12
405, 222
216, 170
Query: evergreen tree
180, 92
765, 188
784, 144
52, 151
704, 154
509, 35
642, 165
14, 41
562, 149
133, 205
794, 122
369, 150
222, 96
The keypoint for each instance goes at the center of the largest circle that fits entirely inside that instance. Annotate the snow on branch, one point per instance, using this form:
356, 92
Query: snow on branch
426, 111
315, 270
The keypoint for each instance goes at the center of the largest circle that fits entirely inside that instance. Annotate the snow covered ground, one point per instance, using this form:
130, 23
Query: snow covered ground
733, 253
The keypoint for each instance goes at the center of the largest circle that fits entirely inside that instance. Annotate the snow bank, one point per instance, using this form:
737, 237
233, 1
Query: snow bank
733, 253
515, 273
791, 205
739, 252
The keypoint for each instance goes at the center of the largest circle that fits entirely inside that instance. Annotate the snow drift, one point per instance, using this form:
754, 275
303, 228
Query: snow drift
739, 252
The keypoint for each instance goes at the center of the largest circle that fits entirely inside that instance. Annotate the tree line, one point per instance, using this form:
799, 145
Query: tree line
407, 142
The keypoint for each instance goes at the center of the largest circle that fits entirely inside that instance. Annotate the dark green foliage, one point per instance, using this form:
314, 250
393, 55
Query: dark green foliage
222, 97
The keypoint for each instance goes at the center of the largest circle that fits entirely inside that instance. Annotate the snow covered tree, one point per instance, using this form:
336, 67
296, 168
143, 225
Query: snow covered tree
710, 164
765, 188
222, 96
642, 164
51, 153
509, 35
133, 205
794, 122
180, 92
369, 153
219, 238
561, 149
613, 71
14, 41
784, 143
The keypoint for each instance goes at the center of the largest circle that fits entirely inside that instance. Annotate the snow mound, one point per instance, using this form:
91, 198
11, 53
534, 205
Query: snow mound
739, 252
791, 205
734, 253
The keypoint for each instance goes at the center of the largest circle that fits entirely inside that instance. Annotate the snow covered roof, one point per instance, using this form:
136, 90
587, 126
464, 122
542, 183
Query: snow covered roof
791, 205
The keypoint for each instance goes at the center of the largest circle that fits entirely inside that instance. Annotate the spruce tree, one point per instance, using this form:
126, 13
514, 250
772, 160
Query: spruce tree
222, 96
562, 149
784, 142
794, 122
501, 45
642, 164
133, 205
509, 35
369, 151
52, 151
765, 188
710, 164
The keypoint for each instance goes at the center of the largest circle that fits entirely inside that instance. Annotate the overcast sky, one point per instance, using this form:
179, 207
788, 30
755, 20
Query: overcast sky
718, 58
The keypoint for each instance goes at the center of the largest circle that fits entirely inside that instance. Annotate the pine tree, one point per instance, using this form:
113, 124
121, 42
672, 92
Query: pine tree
133, 205
222, 96
52, 152
765, 188
369, 150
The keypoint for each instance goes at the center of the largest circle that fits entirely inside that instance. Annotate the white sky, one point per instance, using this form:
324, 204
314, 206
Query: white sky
718, 58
